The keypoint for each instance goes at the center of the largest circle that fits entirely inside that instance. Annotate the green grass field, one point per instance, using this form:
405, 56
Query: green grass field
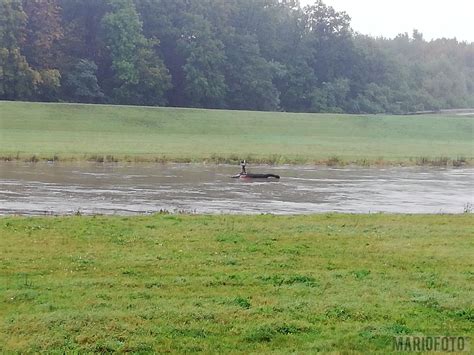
33, 131
241, 284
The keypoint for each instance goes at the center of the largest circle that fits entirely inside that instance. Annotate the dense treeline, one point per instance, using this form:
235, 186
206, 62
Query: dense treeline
240, 54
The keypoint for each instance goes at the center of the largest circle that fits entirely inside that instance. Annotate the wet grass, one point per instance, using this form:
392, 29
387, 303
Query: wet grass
180, 283
70, 132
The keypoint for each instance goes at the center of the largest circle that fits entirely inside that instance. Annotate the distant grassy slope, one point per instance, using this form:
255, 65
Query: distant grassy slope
239, 284
139, 133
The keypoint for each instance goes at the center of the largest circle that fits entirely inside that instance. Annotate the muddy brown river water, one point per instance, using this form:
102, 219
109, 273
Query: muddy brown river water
125, 189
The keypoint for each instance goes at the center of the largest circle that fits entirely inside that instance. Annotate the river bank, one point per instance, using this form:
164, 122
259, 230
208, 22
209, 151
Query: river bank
101, 133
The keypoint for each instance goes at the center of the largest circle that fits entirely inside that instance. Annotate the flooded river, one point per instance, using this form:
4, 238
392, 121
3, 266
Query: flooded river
60, 188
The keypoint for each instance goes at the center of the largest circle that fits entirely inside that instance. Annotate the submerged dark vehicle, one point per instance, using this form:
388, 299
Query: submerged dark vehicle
256, 176
247, 176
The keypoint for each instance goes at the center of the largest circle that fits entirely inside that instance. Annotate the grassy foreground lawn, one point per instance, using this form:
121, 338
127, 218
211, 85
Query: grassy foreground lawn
233, 283
33, 131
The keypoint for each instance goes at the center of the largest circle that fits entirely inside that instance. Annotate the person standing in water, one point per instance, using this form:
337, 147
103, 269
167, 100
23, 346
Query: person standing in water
243, 164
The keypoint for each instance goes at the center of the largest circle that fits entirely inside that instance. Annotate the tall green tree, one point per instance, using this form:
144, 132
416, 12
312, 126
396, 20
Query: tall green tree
204, 58
83, 47
249, 76
18, 81
43, 31
82, 26
165, 20
140, 77
328, 35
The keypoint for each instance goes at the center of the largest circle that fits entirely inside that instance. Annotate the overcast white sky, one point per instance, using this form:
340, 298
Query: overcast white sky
434, 18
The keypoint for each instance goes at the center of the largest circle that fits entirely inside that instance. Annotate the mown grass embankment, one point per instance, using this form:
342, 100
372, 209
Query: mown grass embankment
176, 283
36, 131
